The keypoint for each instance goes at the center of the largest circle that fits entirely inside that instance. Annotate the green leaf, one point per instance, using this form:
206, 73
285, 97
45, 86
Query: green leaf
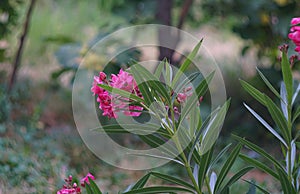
142, 182
220, 155
296, 114
278, 117
287, 76
283, 101
259, 165
259, 96
173, 180
88, 188
296, 94
258, 187
186, 63
192, 100
155, 141
126, 128
265, 124
211, 133
122, 93
158, 189
258, 150
168, 74
147, 77
186, 81
237, 176
227, 166
286, 185
268, 83
95, 189
159, 69
204, 166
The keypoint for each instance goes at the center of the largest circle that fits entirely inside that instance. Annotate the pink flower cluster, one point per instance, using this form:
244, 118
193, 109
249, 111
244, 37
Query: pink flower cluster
294, 34
110, 104
70, 188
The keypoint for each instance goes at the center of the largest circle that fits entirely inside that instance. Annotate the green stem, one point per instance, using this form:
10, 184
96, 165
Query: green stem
187, 165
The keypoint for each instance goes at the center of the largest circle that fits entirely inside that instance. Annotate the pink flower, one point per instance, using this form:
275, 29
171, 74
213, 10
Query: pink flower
294, 34
86, 179
111, 104
181, 97
67, 191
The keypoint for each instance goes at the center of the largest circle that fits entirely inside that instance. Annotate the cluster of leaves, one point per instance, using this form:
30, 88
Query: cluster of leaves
265, 22
287, 172
192, 140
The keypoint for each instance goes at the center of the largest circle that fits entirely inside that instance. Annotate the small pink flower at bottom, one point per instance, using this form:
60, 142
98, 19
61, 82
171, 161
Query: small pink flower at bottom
69, 191
86, 179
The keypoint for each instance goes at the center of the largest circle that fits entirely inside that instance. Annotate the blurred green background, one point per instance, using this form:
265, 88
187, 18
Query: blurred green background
39, 143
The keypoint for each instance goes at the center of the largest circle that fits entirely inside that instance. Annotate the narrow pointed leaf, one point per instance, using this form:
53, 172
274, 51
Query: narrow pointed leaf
278, 117
227, 166
296, 94
186, 63
220, 155
187, 81
296, 114
211, 133
286, 185
287, 76
204, 166
94, 187
258, 187
159, 69
88, 188
255, 93
173, 180
122, 93
259, 150
142, 182
237, 176
192, 100
268, 83
261, 166
283, 101
158, 189
262, 121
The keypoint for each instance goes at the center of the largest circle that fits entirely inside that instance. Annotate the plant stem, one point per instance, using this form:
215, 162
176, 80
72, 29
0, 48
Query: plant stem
187, 165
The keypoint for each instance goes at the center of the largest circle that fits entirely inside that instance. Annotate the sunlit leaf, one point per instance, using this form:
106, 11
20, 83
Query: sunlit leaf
211, 133
296, 94
262, 121
283, 101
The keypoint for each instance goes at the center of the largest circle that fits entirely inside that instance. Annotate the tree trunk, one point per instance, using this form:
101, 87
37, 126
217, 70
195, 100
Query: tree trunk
19, 53
165, 36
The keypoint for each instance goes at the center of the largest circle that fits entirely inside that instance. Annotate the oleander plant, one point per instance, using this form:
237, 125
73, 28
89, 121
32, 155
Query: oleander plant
184, 136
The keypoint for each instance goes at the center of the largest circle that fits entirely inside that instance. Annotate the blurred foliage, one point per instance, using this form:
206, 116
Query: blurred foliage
89, 56
9, 16
265, 22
